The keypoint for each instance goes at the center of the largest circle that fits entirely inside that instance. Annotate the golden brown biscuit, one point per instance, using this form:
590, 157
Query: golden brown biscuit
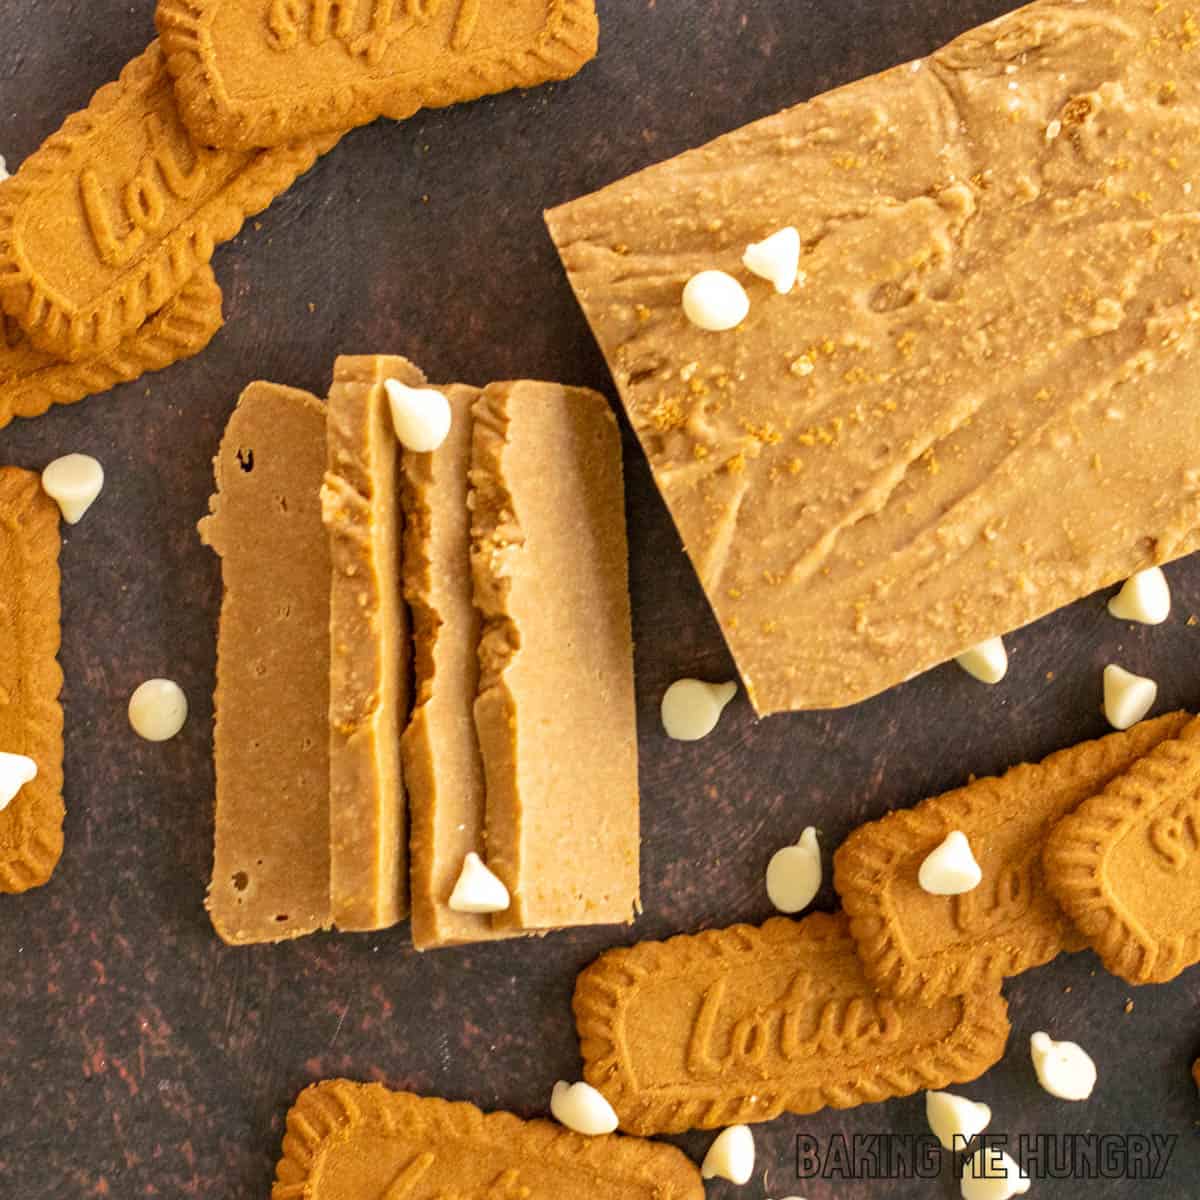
914, 943
108, 221
369, 646
355, 1141
32, 380
31, 721
262, 72
1125, 865
742, 1024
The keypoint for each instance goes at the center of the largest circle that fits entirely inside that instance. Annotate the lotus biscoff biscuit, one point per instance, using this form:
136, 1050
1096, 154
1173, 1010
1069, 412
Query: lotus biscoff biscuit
32, 380
262, 72
913, 943
108, 221
358, 1140
31, 720
1126, 864
742, 1024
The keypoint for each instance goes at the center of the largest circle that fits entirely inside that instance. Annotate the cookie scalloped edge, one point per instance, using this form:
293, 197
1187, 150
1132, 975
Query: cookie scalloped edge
567, 41
873, 851
55, 323
327, 1114
1077, 850
35, 533
598, 1007
180, 330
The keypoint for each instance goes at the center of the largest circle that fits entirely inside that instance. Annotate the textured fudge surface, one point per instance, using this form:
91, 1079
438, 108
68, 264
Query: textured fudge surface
978, 403
442, 767
270, 877
368, 646
555, 711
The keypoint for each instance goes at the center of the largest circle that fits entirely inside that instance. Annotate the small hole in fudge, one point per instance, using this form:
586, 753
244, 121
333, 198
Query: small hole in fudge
246, 460
241, 881
282, 917
282, 502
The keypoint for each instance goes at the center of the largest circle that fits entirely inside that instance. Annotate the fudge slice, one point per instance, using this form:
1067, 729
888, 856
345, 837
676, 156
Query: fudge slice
555, 710
442, 766
977, 402
368, 644
271, 742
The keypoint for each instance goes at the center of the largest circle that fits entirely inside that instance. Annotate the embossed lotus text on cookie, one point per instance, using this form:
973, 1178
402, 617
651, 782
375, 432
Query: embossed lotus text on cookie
31, 722
108, 221
32, 380
742, 1024
1126, 865
915, 943
346, 1139
261, 72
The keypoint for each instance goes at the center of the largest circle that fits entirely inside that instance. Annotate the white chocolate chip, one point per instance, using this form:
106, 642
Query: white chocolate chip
581, 1108
987, 662
1127, 697
73, 482
478, 890
731, 1156
955, 1120
1064, 1069
691, 708
1145, 598
951, 869
776, 258
158, 709
420, 416
794, 874
991, 1174
4, 171
715, 301
16, 770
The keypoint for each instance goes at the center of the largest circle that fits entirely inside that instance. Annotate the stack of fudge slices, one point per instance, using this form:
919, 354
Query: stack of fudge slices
424, 671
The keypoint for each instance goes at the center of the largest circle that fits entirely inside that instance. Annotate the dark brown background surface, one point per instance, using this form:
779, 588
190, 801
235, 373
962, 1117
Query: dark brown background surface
138, 1055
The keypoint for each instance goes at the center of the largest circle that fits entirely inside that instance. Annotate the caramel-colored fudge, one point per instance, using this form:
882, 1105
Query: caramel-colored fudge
977, 404
369, 647
555, 712
271, 742
442, 767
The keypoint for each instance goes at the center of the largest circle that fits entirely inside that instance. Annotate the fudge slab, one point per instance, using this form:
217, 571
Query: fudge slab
915, 944
978, 402
555, 711
368, 645
442, 766
31, 718
271, 741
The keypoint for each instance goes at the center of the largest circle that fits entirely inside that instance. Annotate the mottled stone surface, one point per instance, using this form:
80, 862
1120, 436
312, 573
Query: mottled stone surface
139, 1056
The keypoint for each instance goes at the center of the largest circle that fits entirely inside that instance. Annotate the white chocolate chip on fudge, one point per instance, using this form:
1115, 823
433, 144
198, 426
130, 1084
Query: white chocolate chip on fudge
1127, 697
951, 869
691, 708
715, 301
1145, 598
1064, 1069
580, 1107
73, 482
794, 873
420, 416
776, 259
478, 889
987, 662
16, 770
